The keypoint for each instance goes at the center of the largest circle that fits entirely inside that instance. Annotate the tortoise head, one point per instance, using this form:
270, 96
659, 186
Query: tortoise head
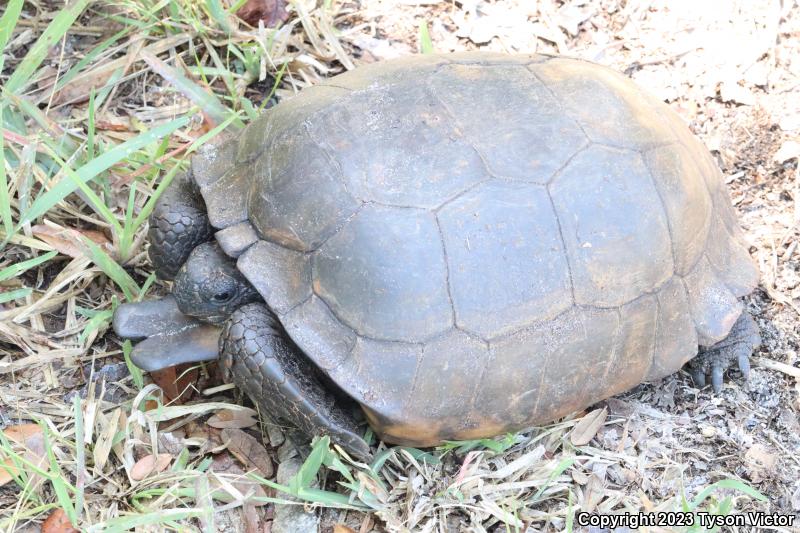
184, 327
209, 286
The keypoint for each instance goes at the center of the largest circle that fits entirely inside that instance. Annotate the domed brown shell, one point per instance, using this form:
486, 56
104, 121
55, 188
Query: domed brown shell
474, 243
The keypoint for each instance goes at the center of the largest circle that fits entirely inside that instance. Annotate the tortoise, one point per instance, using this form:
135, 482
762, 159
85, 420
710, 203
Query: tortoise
462, 244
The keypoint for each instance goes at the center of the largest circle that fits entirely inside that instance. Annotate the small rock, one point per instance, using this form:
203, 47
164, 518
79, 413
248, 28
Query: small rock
276, 437
788, 150
292, 518
286, 451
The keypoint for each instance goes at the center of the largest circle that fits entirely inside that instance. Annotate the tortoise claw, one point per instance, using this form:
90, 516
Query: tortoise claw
716, 376
740, 343
698, 377
744, 365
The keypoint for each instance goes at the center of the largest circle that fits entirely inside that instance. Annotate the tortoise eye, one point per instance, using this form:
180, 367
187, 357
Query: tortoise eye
222, 297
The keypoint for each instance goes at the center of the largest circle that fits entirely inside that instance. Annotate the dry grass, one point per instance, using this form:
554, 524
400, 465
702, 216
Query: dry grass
101, 104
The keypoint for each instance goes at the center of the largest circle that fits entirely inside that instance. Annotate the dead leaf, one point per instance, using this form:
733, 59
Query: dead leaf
341, 528
68, 241
58, 522
176, 381
760, 462
585, 430
223, 464
113, 123
19, 434
248, 450
78, 90
149, 464
594, 492
271, 12
228, 419
373, 487
730, 91
105, 439
570, 17
30, 438
788, 150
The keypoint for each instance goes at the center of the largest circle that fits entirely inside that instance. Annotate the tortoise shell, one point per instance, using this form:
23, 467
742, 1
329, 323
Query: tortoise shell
475, 243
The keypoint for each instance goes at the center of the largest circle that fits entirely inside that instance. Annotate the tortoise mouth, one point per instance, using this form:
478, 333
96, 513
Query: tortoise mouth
167, 336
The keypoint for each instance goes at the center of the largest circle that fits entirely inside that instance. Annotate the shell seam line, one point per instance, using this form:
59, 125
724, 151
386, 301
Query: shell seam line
664, 210
569, 160
357, 332
483, 372
656, 328
691, 307
557, 99
413, 388
447, 202
451, 117
615, 351
337, 230
327, 150
446, 270
295, 306
563, 246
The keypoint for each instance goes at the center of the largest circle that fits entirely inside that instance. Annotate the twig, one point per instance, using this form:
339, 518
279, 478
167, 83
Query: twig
775, 365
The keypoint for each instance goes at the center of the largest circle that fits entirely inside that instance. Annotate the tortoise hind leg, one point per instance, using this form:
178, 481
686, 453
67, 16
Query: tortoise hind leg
178, 223
262, 361
740, 343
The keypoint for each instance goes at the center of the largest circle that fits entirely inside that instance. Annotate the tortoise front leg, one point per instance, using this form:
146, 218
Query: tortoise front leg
737, 347
258, 357
178, 223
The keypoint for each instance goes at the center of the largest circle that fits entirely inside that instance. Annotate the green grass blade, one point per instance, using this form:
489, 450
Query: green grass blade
90, 127
57, 138
90, 56
18, 268
128, 229
734, 484
136, 372
9, 21
95, 323
218, 14
111, 269
101, 163
559, 469
5, 199
308, 471
98, 205
278, 78
133, 522
59, 483
80, 452
54, 31
151, 202
425, 43
14, 295
207, 101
